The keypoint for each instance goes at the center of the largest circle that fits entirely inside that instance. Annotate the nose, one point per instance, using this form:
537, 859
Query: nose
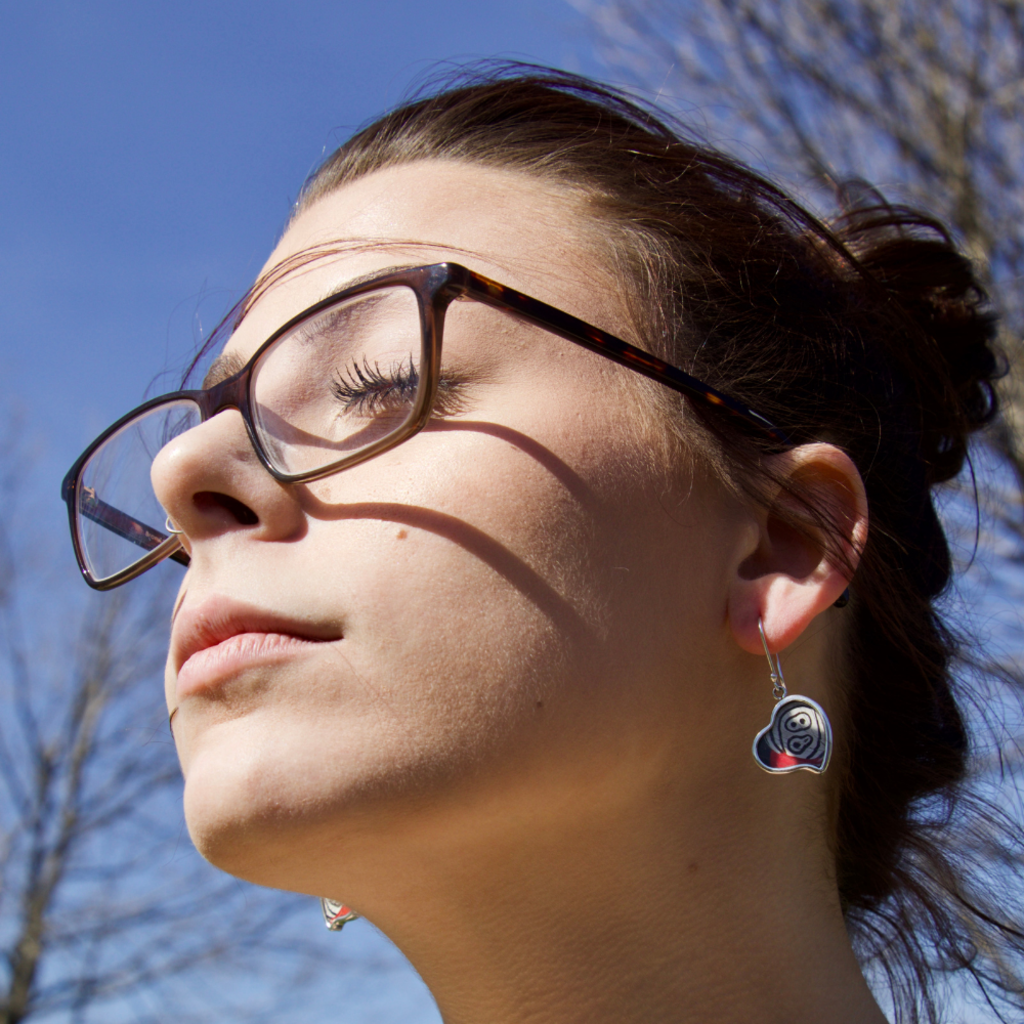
210, 482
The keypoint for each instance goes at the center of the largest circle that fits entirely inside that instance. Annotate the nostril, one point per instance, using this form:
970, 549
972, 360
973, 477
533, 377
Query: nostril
206, 501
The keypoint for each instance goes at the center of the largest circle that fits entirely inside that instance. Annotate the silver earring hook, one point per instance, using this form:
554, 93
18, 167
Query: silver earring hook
774, 664
171, 528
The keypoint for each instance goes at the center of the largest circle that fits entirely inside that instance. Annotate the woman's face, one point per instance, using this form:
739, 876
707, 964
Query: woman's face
502, 624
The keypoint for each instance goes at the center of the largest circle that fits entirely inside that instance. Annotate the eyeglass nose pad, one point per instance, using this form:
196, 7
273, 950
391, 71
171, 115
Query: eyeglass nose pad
209, 480
171, 528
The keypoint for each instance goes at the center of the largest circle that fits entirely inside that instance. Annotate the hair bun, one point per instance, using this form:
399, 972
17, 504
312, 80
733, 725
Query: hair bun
950, 359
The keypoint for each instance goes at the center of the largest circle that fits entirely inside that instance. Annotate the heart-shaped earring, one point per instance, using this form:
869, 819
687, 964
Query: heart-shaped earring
799, 734
336, 914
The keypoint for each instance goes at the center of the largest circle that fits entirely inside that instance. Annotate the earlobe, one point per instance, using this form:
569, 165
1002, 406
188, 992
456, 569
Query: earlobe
810, 539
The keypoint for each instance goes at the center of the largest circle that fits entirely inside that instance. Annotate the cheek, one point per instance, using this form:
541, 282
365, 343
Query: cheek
466, 589
509, 576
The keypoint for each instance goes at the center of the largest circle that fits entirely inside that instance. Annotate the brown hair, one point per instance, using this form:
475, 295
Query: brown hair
871, 333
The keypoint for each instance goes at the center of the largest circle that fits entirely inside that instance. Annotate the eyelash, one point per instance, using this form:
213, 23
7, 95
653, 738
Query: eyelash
367, 388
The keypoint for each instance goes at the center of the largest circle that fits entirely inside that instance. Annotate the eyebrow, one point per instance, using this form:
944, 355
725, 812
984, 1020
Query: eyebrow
227, 364
364, 278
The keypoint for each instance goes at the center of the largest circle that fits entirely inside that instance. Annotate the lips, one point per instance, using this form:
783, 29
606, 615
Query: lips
220, 637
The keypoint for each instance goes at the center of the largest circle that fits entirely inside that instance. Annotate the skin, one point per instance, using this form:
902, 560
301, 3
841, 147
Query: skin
521, 744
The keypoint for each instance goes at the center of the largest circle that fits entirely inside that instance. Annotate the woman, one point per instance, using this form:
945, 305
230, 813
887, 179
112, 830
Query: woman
473, 634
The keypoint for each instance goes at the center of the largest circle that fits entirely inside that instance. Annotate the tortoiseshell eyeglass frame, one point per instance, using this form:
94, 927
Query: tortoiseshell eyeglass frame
436, 287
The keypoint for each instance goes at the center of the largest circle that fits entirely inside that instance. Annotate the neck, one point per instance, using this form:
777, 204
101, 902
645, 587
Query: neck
626, 918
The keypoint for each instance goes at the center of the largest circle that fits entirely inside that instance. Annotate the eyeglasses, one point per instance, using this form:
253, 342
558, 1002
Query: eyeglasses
348, 378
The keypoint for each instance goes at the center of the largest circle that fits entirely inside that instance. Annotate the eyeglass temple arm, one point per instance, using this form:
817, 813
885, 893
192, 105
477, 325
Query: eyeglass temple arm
125, 526
619, 351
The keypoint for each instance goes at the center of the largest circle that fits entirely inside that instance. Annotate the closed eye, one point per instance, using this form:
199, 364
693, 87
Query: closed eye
368, 388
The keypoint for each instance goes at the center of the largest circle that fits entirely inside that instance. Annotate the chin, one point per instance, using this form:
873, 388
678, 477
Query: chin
290, 807
258, 805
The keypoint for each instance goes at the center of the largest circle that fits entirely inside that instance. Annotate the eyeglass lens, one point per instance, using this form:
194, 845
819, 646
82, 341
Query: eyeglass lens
337, 382
119, 518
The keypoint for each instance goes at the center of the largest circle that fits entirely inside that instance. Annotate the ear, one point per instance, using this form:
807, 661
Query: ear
799, 567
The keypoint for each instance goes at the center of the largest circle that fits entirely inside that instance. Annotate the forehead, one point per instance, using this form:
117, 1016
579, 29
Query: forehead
514, 227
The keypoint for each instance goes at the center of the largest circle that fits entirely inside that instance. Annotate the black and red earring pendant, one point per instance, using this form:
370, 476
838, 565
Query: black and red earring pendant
799, 734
